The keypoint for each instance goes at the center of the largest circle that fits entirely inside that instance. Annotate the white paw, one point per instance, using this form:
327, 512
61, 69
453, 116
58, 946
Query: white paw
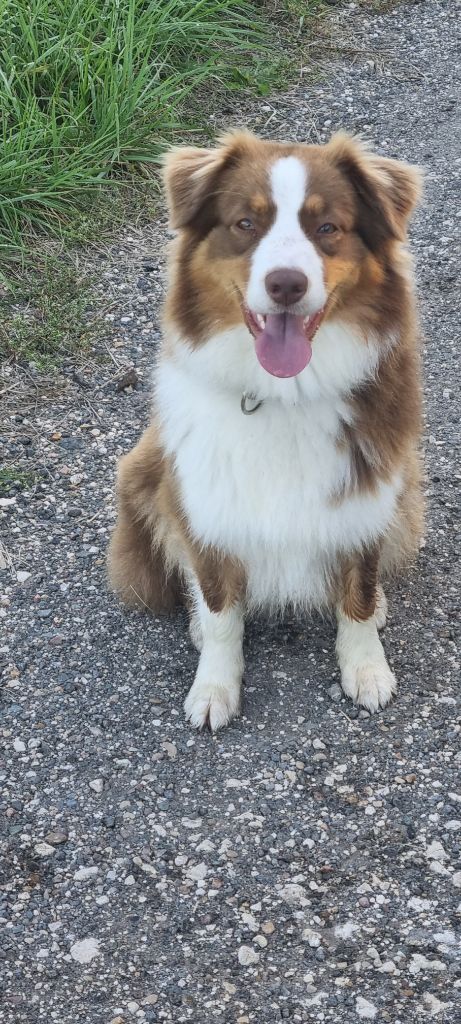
195, 632
381, 608
212, 704
370, 684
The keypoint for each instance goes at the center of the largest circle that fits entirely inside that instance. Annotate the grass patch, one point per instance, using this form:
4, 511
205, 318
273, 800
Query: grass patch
15, 480
52, 315
91, 91
52, 309
87, 86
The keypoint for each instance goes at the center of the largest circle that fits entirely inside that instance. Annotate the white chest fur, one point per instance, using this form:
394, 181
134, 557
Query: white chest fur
260, 487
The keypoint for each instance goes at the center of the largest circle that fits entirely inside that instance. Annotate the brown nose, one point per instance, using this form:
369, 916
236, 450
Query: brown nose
286, 286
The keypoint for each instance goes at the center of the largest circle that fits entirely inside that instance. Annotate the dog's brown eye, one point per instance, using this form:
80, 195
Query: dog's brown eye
327, 229
245, 224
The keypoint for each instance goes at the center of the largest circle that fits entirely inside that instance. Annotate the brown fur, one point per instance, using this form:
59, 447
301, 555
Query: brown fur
402, 542
136, 561
221, 579
315, 205
358, 582
151, 542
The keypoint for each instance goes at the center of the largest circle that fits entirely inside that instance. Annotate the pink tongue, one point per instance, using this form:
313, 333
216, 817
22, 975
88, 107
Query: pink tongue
282, 347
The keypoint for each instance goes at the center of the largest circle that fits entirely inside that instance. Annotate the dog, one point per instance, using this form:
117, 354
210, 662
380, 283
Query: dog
280, 468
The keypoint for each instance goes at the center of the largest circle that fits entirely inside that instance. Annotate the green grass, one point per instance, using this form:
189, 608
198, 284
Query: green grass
91, 91
13, 479
89, 87
50, 314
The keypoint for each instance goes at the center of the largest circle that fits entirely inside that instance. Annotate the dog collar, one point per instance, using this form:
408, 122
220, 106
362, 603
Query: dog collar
249, 397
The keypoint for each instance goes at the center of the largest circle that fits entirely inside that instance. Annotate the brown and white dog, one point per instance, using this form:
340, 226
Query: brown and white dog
290, 298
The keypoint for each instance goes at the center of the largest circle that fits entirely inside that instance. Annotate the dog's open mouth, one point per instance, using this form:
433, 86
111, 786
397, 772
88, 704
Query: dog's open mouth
283, 340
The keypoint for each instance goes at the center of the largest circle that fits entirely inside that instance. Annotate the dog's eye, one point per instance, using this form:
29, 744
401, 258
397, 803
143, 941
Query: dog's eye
327, 229
245, 224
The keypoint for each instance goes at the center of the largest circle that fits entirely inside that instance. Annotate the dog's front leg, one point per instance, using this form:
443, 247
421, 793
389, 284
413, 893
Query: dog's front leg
217, 625
365, 674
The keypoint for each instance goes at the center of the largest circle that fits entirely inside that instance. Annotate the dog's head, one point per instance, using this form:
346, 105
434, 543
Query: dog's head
287, 232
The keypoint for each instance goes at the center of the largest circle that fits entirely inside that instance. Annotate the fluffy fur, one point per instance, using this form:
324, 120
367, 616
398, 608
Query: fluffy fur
311, 499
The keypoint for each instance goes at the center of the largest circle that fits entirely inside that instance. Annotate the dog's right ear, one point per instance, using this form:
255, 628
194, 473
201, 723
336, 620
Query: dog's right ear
189, 175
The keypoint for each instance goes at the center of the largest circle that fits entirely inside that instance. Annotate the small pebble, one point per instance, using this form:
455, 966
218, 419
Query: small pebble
44, 849
247, 956
83, 874
56, 838
365, 1009
85, 950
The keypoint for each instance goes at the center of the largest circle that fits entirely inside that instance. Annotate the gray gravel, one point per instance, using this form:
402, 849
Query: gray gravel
306, 863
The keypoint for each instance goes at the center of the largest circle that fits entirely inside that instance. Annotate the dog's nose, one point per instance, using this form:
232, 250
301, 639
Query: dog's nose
286, 286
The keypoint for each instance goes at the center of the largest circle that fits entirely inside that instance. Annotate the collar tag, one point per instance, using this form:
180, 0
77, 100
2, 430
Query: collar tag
247, 403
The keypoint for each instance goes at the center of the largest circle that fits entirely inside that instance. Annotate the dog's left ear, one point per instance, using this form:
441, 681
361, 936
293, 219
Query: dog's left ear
387, 190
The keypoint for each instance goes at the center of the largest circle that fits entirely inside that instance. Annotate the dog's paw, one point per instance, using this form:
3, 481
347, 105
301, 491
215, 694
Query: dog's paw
370, 684
212, 704
381, 608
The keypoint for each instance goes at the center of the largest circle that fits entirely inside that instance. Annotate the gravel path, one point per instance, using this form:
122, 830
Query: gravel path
306, 863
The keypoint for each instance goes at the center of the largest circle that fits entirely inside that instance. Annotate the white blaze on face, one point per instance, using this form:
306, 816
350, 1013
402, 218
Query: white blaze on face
285, 246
